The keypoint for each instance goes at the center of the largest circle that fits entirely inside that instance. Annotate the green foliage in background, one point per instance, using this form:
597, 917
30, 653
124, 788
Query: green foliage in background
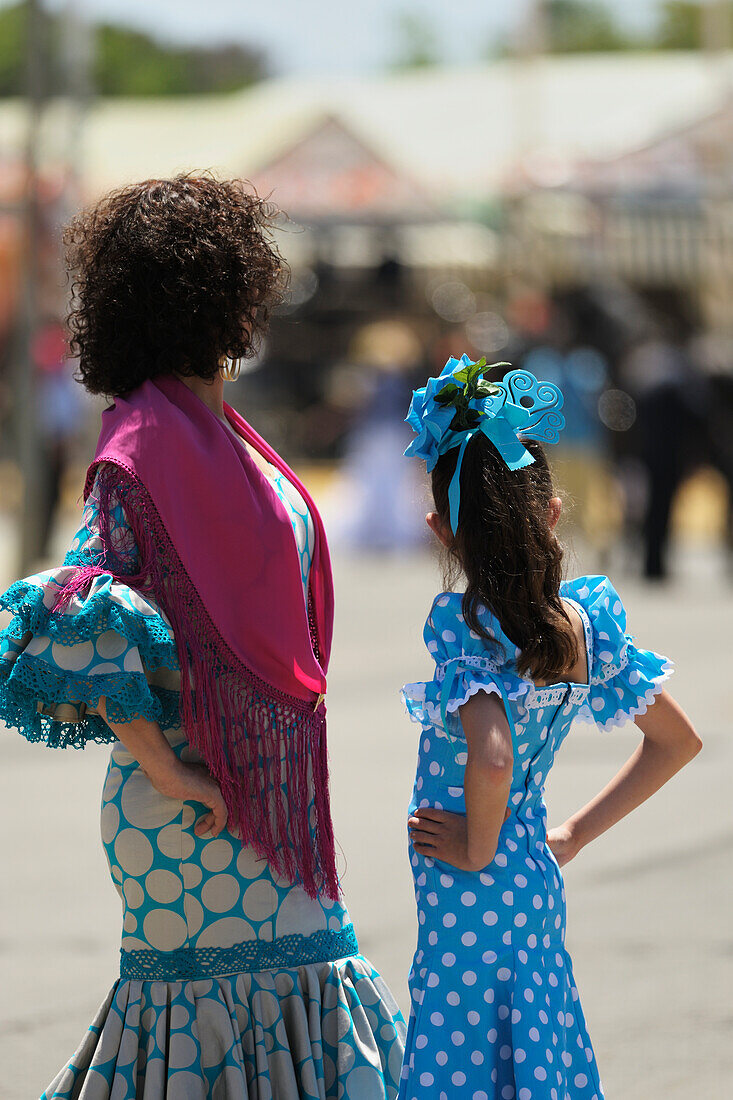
126, 62
582, 26
681, 24
418, 46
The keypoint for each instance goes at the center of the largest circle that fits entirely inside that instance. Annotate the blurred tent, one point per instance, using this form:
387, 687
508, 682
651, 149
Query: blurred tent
465, 134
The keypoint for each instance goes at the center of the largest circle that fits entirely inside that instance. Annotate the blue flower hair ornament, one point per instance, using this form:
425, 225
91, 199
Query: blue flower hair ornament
450, 410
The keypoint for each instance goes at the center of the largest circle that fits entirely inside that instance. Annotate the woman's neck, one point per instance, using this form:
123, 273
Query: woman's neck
211, 392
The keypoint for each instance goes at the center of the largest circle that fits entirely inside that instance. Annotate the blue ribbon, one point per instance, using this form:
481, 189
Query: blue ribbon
500, 429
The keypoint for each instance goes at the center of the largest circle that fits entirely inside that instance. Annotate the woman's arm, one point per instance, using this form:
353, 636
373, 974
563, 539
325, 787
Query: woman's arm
469, 842
170, 776
669, 742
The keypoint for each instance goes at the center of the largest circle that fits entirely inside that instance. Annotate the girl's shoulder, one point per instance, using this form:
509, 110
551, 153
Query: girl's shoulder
447, 634
603, 614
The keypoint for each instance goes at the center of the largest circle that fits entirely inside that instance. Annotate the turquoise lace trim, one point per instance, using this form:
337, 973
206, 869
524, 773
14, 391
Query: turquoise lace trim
284, 953
29, 681
148, 633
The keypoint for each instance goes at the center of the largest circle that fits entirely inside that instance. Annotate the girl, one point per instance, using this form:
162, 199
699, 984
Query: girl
518, 656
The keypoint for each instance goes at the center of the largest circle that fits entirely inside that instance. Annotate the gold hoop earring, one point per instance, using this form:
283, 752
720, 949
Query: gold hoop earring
230, 369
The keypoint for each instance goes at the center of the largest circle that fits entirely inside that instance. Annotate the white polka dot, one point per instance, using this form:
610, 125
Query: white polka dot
436, 1019
73, 658
220, 893
468, 939
467, 898
225, 933
459, 1078
217, 854
449, 959
449, 920
143, 806
164, 930
540, 1073
503, 974
194, 911
111, 644
163, 886
110, 822
259, 901
133, 851
132, 662
490, 918
469, 978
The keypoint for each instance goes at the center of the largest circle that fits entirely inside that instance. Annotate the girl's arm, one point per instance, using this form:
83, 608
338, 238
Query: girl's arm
669, 742
469, 842
170, 776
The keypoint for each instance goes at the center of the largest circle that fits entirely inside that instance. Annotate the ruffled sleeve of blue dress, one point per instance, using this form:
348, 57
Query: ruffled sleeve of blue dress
110, 642
624, 680
465, 663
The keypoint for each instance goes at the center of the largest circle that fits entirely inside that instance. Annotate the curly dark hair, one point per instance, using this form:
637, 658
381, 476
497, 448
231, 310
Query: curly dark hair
169, 276
508, 552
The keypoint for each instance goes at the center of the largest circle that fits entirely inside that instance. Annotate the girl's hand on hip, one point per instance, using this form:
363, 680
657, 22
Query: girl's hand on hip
194, 783
442, 835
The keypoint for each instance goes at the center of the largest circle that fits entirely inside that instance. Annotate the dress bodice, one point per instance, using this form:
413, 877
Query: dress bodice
622, 681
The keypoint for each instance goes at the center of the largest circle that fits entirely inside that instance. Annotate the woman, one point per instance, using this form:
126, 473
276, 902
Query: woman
190, 626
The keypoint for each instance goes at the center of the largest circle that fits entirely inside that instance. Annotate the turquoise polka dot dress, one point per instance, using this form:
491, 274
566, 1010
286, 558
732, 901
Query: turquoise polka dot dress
495, 1013
234, 984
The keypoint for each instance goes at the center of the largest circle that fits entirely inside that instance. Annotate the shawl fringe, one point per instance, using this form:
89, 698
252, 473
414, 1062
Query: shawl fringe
266, 749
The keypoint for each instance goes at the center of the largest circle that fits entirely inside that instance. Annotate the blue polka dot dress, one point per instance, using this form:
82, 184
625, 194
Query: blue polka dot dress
495, 1013
234, 984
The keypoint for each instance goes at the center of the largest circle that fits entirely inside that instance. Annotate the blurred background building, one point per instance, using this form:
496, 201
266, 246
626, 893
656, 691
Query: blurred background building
549, 184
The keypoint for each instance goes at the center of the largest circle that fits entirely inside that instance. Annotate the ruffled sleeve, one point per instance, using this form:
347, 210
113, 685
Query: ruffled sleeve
109, 642
624, 680
465, 663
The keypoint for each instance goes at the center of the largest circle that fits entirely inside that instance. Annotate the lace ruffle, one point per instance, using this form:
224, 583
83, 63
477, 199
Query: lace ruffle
149, 633
31, 691
630, 693
285, 952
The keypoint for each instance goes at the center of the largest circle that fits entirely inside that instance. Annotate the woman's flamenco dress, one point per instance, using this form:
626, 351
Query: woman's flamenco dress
234, 984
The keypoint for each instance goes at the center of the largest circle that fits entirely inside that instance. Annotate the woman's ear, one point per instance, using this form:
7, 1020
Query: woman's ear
554, 511
439, 529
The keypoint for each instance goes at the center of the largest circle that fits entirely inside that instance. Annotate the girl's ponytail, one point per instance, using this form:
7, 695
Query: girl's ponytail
507, 549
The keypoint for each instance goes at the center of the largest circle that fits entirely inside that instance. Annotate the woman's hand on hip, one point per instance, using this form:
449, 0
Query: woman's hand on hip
194, 783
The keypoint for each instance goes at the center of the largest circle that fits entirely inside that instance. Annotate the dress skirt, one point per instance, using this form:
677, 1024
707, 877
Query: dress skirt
233, 985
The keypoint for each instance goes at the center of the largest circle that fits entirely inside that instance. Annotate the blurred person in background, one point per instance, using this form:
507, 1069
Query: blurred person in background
684, 403
60, 409
190, 627
375, 494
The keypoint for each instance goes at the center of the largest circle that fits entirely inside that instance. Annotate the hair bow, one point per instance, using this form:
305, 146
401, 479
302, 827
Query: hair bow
450, 410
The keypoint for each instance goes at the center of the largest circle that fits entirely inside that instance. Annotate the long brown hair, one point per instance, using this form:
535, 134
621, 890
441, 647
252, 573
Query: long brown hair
508, 552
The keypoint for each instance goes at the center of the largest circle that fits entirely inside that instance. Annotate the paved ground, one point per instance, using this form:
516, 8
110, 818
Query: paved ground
649, 904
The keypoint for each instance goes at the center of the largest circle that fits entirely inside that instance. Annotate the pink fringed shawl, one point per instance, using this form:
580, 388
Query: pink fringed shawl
218, 554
